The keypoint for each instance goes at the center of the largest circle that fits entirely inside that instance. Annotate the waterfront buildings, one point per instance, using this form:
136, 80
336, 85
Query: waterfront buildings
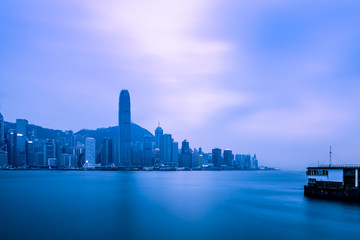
124, 128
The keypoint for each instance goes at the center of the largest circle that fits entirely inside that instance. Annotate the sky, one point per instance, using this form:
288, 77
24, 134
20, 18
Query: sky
277, 78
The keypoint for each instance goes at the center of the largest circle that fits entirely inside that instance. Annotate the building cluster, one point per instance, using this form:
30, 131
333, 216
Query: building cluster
21, 148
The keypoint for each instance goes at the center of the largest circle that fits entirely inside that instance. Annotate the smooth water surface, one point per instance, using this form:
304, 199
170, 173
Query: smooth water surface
168, 205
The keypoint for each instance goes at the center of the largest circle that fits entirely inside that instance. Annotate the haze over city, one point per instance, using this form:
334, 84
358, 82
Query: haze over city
275, 78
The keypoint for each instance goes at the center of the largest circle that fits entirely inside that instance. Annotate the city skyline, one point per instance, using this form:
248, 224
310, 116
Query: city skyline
273, 77
21, 147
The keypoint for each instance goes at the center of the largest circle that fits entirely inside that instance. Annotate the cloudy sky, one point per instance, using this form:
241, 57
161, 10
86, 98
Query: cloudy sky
273, 77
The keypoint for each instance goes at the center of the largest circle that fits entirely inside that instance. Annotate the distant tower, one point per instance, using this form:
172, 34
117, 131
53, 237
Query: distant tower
158, 133
90, 151
124, 128
21, 129
186, 155
216, 157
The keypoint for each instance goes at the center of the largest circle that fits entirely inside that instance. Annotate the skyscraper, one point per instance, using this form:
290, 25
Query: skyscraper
186, 155
165, 148
124, 128
21, 129
216, 157
21, 126
90, 151
158, 133
106, 152
228, 157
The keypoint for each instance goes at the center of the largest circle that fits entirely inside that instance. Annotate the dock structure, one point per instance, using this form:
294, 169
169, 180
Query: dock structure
333, 181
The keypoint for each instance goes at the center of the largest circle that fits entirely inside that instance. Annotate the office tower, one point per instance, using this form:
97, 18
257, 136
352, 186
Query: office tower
124, 128
49, 152
30, 154
147, 151
198, 158
39, 157
21, 126
11, 136
228, 157
216, 157
175, 154
2, 130
255, 164
20, 160
90, 151
186, 155
165, 148
158, 133
106, 152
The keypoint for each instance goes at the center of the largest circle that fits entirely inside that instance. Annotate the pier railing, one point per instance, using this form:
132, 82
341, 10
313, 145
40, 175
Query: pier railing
340, 166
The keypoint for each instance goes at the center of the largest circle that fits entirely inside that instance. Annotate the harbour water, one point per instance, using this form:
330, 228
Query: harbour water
168, 205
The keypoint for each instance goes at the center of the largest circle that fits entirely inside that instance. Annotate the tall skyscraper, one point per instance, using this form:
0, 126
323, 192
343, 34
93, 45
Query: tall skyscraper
2, 130
21, 126
21, 129
158, 133
216, 157
124, 128
90, 151
165, 148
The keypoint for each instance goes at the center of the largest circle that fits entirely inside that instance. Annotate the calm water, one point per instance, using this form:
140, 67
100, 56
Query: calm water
168, 205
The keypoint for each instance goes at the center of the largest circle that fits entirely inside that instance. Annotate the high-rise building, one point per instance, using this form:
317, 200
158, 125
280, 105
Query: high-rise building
2, 130
124, 128
20, 160
106, 152
90, 151
158, 134
21, 126
216, 157
186, 155
228, 157
11, 137
147, 151
21, 130
165, 148
30, 154
255, 164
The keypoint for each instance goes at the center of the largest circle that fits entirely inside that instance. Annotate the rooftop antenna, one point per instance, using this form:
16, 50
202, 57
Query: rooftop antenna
158, 124
330, 157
